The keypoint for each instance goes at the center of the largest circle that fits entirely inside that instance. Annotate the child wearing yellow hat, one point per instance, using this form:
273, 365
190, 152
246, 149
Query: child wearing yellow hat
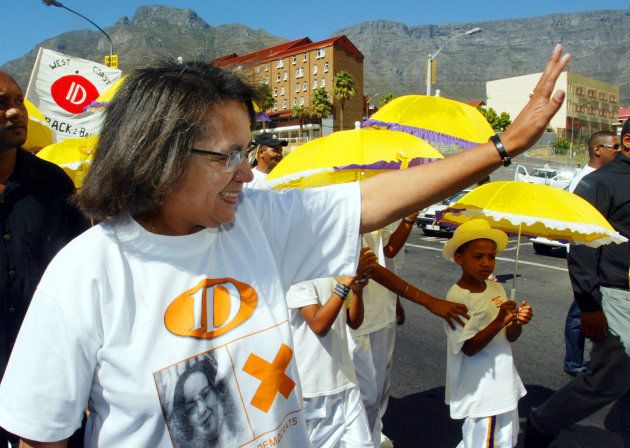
482, 384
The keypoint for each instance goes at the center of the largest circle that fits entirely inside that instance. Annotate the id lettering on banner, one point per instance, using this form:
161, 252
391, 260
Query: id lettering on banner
62, 87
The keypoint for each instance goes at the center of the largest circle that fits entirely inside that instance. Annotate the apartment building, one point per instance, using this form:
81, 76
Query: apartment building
293, 70
591, 105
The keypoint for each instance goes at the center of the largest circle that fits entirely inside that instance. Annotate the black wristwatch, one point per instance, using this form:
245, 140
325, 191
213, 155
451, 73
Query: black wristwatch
505, 158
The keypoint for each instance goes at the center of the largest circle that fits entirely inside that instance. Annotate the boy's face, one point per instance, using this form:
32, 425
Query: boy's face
477, 259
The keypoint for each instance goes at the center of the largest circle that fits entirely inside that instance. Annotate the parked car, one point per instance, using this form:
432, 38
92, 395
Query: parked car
426, 218
543, 246
545, 176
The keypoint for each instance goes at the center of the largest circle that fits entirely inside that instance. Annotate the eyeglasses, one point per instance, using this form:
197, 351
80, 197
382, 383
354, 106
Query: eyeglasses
614, 147
232, 160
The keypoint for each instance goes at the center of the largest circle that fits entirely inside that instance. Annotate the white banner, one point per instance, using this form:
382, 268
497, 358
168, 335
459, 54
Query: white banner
62, 87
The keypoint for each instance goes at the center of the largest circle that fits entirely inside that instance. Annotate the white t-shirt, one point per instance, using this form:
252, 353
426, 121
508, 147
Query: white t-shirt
324, 362
578, 177
259, 182
121, 316
379, 303
486, 383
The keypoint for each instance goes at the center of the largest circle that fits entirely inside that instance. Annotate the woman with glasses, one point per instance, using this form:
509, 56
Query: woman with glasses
184, 261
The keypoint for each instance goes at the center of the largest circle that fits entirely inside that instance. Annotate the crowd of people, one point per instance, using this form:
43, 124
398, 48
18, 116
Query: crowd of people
197, 312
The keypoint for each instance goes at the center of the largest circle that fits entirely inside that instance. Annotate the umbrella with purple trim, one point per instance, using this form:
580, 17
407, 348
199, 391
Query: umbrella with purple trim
348, 156
434, 119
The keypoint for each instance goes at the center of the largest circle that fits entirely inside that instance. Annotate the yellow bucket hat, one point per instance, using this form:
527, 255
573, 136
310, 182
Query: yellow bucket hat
474, 229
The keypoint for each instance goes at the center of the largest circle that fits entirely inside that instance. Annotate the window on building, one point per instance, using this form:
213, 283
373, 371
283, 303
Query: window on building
280, 63
282, 90
602, 96
315, 69
275, 105
299, 72
286, 76
323, 83
284, 103
321, 53
301, 101
326, 67
275, 92
277, 77
294, 101
267, 80
266, 67
297, 88
612, 98
305, 86
305, 57
314, 84
294, 60
258, 69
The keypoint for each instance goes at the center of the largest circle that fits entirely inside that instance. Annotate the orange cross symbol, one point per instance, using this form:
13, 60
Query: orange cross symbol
272, 377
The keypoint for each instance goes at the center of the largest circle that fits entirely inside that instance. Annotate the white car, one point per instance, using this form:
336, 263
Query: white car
543, 246
426, 218
545, 176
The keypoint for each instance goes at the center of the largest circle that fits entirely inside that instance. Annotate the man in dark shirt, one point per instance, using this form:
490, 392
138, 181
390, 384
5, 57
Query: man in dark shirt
600, 285
35, 218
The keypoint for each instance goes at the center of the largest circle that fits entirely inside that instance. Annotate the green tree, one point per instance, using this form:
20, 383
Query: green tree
343, 90
386, 99
496, 121
264, 98
300, 113
320, 104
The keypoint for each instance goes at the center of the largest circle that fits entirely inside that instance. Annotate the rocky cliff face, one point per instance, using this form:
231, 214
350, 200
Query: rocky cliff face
395, 54
154, 32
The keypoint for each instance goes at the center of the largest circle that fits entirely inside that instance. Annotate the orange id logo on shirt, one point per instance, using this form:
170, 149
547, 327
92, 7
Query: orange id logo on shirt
211, 308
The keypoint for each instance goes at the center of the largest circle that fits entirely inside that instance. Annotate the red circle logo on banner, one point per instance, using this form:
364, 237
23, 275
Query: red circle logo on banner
73, 93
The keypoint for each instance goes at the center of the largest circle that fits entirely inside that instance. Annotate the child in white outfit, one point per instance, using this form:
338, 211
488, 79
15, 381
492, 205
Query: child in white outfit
318, 314
482, 384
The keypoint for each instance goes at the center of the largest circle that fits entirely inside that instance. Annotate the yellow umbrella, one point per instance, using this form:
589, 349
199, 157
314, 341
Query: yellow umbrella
38, 134
74, 155
533, 210
348, 156
434, 119
107, 96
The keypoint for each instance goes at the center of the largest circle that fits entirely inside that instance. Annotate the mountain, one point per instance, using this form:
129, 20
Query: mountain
154, 32
395, 53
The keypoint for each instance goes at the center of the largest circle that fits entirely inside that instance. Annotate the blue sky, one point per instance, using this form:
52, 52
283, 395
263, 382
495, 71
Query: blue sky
25, 23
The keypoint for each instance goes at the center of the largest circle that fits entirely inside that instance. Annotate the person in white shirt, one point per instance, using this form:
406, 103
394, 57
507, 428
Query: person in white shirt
603, 146
185, 263
268, 155
482, 384
319, 311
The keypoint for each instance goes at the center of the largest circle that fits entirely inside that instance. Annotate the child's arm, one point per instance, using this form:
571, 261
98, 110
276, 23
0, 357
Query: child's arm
474, 345
442, 308
399, 237
523, 316
321, 317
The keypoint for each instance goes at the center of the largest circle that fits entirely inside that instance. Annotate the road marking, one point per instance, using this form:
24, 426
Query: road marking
531, 263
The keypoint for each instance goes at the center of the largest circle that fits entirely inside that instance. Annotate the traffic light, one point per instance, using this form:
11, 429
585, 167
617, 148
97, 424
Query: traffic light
111, 61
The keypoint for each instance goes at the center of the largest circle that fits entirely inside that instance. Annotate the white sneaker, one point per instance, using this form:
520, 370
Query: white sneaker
386, 442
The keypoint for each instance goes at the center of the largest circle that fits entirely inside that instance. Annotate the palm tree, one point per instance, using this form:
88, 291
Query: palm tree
320, 104
343, 89
300, 113
264, 98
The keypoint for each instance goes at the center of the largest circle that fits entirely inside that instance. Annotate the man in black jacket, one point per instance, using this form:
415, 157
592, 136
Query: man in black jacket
600, 285
36, 219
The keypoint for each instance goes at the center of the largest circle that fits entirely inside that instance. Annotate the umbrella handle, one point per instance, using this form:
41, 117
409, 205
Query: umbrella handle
518, 247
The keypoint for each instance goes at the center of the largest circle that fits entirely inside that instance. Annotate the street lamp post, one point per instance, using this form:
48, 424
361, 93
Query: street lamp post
61, 5
432, 56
